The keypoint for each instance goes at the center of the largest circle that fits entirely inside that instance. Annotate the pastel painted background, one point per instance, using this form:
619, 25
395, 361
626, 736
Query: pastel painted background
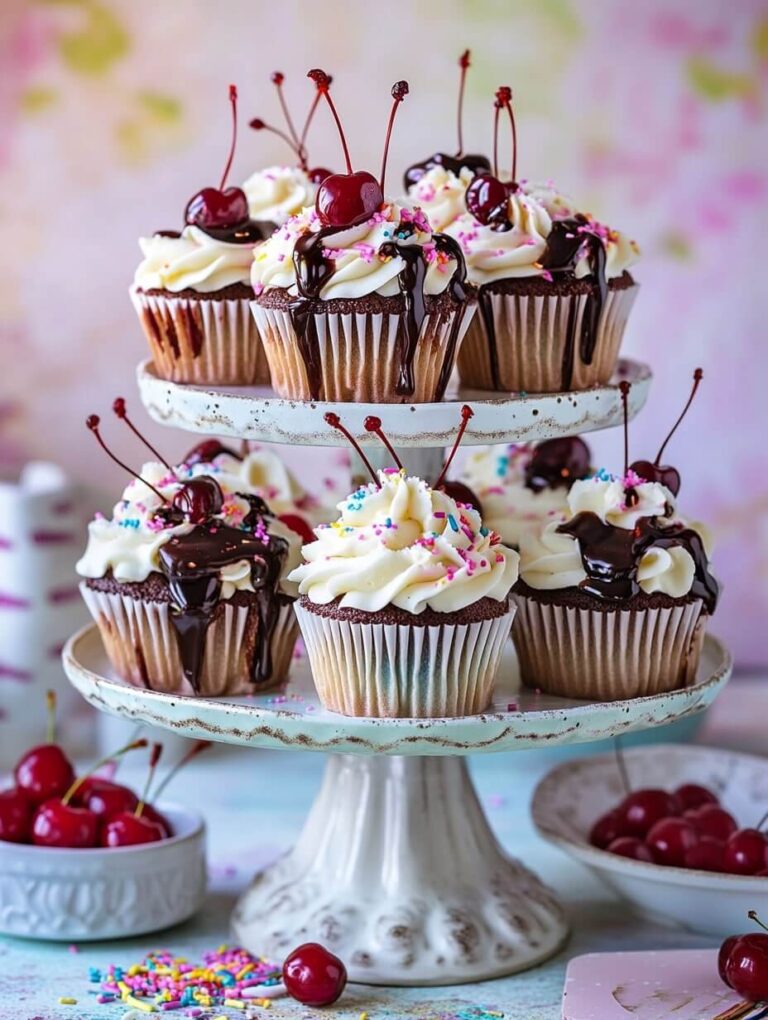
654, 115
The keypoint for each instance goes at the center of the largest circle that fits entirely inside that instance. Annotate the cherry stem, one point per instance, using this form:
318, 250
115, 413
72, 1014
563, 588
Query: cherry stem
133, 746
752, 915
497, 111
466, 414
119, 408
277, 80
698, 375
257, 124
228, 165
335, 422
50, 705
399, 92
322, 81
154, 758
373, 424
200, 746
624, 388
463, 64
762, 821
622, 765
92, 422
308, 121
513, 125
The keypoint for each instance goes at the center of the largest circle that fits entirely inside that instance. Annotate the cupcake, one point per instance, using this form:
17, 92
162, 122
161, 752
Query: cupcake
192, 290
552, 284
188, 580
404, 603
357, 299
523, 486
613, 602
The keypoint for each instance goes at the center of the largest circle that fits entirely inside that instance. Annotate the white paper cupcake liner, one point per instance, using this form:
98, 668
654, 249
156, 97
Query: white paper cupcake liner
398, 671
359, 354
609, 655
531, 336
202, 340
142, 645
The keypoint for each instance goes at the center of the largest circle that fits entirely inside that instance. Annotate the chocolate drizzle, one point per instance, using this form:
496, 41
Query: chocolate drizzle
246, 232
313, 268
192, 564
473, 162
612, 555
557, 464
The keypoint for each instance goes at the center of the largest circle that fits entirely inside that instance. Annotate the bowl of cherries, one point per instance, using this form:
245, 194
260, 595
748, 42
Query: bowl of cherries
678, 831
85, 857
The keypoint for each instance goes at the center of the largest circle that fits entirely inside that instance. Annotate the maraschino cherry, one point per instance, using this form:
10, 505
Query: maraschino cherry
220, 208
313, 975
206, 452
487, 196
353, 197
713, 821
199, 498
133, 827
691, 796
59, 823
745, 852
670, 839
16, 811
643, 808
294, 141
45, 771
743, 963
105, 798
665, 474
557, 462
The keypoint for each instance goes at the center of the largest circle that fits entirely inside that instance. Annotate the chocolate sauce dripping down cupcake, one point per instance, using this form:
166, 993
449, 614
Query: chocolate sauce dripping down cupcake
222, 212
473, 162
557, 464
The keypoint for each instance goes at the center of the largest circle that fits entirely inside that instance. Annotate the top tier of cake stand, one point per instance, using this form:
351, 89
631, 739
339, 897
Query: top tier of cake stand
255, 413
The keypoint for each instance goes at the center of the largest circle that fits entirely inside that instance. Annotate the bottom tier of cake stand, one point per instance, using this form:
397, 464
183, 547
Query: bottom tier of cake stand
398, 873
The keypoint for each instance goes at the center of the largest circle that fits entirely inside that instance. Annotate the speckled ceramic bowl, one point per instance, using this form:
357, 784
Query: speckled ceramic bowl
571, 797
78, 895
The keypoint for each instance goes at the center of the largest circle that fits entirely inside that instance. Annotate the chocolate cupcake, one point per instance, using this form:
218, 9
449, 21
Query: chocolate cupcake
552, 284
188, 580
613, 602
357, 299
404, 604
192, 290
522, 487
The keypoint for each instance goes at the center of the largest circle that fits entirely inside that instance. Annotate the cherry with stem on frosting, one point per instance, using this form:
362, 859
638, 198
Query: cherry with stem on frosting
373, 424
59, 823
313, 975
199, 498
487, 197
220, 208
133, 828
45, 771
665, 474
350, 198
92, 422
118, 406
335, 422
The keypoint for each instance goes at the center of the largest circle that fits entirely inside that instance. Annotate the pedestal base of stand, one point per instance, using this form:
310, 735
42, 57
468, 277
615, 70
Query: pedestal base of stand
399, 874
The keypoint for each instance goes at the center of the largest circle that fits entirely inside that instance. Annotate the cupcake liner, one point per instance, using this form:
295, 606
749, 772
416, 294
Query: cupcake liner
607, 655
397, 671
205, 341
142, 645
531, 336
359, 354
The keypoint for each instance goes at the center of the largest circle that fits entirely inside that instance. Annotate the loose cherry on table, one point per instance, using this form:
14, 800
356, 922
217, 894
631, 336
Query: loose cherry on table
45, 771
313, 975
16, 811
743, 963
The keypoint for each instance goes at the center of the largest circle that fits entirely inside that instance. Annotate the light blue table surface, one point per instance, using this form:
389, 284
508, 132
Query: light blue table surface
255, 803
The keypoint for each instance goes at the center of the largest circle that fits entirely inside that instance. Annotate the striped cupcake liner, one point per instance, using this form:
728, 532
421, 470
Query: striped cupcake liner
204, 341
609, 655
531, 337
399, 671
142, 645
360, 354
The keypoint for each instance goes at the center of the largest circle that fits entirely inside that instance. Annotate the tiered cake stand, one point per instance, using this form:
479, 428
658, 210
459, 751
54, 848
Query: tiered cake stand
396, 870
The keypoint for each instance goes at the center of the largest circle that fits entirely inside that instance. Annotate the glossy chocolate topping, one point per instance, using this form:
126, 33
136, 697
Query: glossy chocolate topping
455, 164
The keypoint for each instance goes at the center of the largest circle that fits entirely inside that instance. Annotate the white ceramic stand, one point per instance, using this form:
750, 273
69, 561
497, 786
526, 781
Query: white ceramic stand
398, 872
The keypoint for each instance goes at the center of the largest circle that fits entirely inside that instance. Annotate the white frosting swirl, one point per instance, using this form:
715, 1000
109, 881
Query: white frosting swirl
195, 260
550, 560
129, 543
496, 474
359, 269
441, 194
277, 193
403, 544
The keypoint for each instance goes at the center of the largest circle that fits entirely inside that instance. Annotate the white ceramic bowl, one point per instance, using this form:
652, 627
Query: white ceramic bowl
77, 895
571, 797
